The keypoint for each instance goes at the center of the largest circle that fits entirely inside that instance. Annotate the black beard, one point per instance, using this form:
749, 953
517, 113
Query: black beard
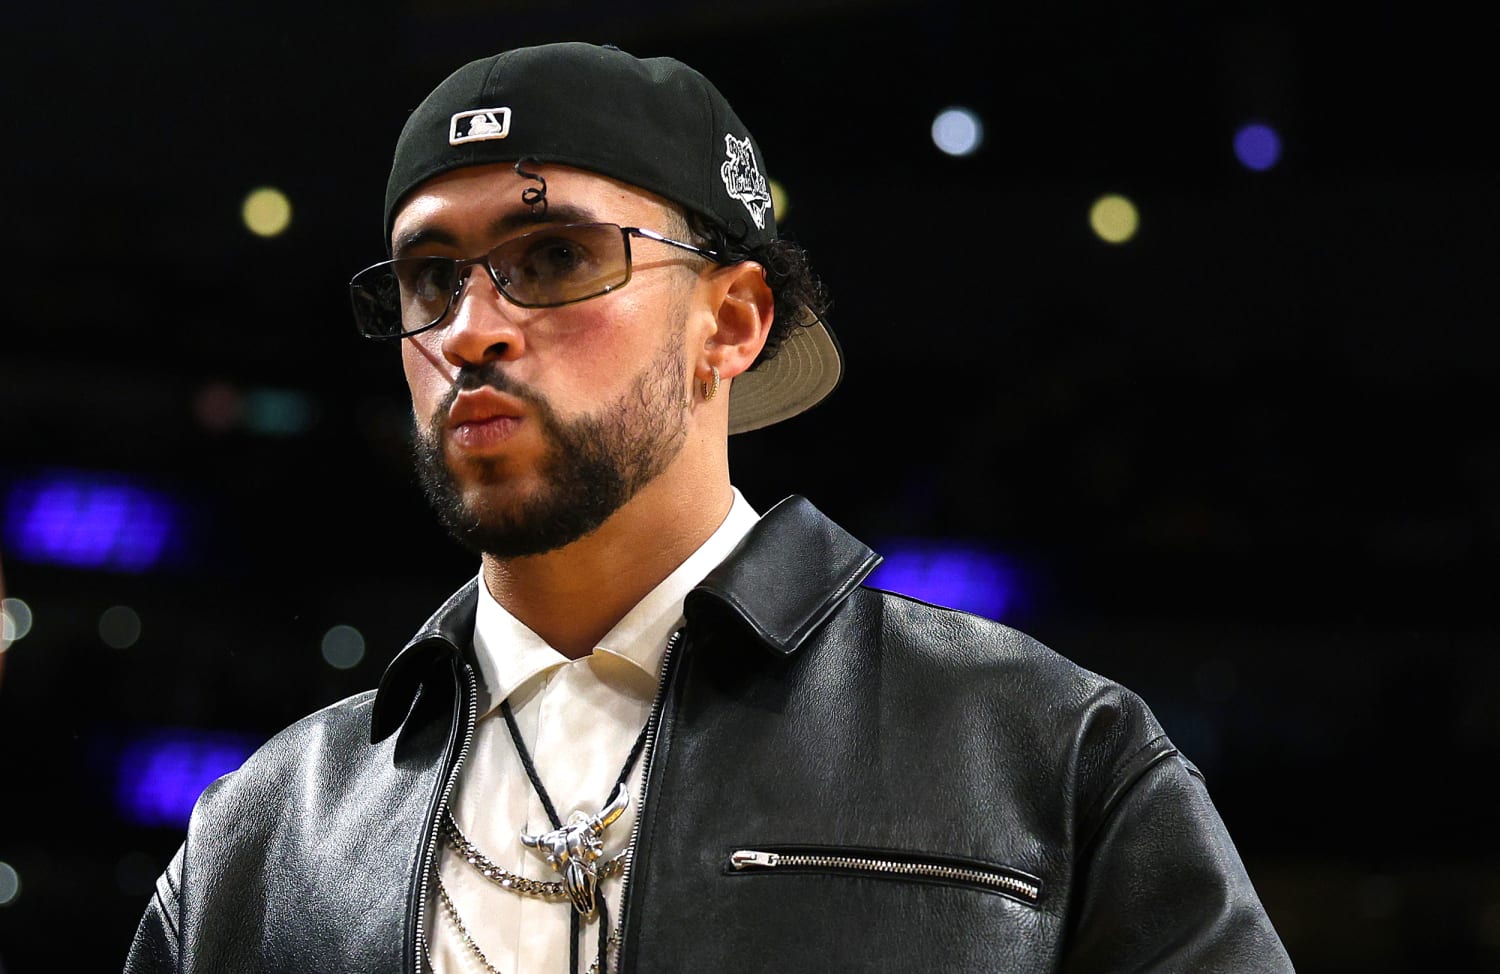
591, 467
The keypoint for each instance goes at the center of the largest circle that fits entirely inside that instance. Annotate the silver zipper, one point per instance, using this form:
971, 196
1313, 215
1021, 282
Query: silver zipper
423, 955
652, 727
991, 878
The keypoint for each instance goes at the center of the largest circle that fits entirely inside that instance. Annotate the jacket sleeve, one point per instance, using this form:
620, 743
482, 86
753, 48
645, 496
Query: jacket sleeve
155, 949
1161, 886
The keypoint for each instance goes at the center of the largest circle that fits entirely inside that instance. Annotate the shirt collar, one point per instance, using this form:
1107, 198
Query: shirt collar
509, 653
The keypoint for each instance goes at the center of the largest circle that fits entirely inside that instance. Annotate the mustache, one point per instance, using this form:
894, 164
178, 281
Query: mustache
492, 376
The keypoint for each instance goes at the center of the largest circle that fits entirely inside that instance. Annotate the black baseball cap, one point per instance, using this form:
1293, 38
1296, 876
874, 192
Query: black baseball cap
654, 123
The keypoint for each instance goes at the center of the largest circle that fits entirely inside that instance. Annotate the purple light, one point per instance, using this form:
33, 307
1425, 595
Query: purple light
959, 575
86, 520
160, 775
1257, 146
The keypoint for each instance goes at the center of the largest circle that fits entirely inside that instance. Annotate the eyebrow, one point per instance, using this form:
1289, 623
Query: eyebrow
508, 223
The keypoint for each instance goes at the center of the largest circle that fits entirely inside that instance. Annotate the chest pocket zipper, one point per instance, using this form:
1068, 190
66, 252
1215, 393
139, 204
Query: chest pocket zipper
1010, 882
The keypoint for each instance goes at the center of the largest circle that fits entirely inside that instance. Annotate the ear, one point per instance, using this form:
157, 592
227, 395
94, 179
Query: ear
744, 310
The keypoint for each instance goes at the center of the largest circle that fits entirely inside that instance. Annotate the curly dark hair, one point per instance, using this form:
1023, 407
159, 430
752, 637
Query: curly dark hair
788, 272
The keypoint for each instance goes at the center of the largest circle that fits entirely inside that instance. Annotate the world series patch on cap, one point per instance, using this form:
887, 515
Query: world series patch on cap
652, 122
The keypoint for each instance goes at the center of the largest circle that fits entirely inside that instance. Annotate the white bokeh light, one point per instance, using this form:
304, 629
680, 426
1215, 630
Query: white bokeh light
343, 647
957, 131
15, 621
10, 884
119, 627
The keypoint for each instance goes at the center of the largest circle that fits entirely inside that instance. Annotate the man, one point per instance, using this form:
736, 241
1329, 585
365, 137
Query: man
660, 731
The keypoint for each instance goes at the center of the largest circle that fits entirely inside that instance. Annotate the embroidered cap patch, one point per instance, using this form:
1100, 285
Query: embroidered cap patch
479, 125
743, 180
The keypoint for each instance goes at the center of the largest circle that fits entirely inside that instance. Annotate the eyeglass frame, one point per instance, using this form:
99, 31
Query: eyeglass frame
484, 260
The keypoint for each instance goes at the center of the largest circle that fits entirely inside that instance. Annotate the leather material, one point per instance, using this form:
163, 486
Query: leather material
449, 627
783, 599
801, 711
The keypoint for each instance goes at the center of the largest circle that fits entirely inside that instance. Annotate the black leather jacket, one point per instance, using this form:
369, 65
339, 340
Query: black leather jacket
918, 789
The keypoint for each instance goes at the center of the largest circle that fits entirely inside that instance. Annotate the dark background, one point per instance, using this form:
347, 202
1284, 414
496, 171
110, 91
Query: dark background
1239, 463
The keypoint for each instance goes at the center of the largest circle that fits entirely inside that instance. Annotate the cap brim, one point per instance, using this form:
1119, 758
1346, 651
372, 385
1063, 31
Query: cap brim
804, 371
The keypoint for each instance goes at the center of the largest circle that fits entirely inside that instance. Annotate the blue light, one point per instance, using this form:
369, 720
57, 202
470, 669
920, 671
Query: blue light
1257, 146
960, 575
160, 775
90, 520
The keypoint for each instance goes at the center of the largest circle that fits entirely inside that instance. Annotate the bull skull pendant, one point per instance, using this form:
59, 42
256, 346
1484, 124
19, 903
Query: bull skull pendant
573, 849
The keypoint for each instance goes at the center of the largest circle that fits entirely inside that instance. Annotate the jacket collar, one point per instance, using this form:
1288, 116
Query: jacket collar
780, 583
439, 639
786, 578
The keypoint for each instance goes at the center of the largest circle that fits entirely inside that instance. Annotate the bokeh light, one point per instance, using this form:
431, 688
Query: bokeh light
343, 647
955, 574
15, 621
957, 131
91, 520
1114, 218
119, 627
1257, 146
161, 773
780, 202
10, 884
218, 406
278, 412
267, 212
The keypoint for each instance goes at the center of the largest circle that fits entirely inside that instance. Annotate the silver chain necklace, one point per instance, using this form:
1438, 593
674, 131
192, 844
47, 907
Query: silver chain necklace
572, 849
468, 941
506, 879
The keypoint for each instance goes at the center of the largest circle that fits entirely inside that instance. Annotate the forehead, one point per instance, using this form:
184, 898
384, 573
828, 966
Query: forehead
479, 203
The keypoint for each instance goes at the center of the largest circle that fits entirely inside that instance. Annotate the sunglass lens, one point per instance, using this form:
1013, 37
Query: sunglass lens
426, 287
402, 295
377, 309
562, 264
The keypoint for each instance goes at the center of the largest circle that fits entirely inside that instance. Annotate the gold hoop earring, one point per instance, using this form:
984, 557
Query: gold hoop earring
709, 391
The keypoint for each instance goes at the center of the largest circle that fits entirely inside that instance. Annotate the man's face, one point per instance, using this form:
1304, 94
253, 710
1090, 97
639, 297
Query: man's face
533, 426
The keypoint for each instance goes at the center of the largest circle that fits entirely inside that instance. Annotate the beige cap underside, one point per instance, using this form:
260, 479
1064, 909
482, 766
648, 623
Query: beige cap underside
803, 372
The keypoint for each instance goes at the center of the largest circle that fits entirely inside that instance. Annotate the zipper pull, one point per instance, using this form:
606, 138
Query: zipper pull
749, 858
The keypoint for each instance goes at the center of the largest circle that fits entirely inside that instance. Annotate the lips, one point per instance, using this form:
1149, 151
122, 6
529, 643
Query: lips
483, 418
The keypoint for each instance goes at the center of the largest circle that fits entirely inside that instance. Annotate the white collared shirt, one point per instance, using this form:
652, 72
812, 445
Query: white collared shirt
579, 719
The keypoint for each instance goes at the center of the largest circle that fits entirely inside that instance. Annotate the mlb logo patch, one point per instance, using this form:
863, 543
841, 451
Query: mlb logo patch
479, 125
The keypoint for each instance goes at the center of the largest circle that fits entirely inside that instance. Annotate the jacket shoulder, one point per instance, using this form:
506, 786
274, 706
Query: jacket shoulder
319, 751
963, 647
1063, 714
316, 832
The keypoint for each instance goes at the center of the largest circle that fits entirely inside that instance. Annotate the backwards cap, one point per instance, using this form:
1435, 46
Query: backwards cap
654, 123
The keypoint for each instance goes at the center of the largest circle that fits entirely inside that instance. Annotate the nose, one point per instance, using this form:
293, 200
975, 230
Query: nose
483, 325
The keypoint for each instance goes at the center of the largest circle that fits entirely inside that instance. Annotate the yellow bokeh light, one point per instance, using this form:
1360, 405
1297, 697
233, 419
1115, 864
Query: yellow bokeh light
779, 201
267, 212
1114, 218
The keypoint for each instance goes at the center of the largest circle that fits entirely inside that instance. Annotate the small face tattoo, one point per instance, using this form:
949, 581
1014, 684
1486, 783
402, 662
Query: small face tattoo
532, 196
